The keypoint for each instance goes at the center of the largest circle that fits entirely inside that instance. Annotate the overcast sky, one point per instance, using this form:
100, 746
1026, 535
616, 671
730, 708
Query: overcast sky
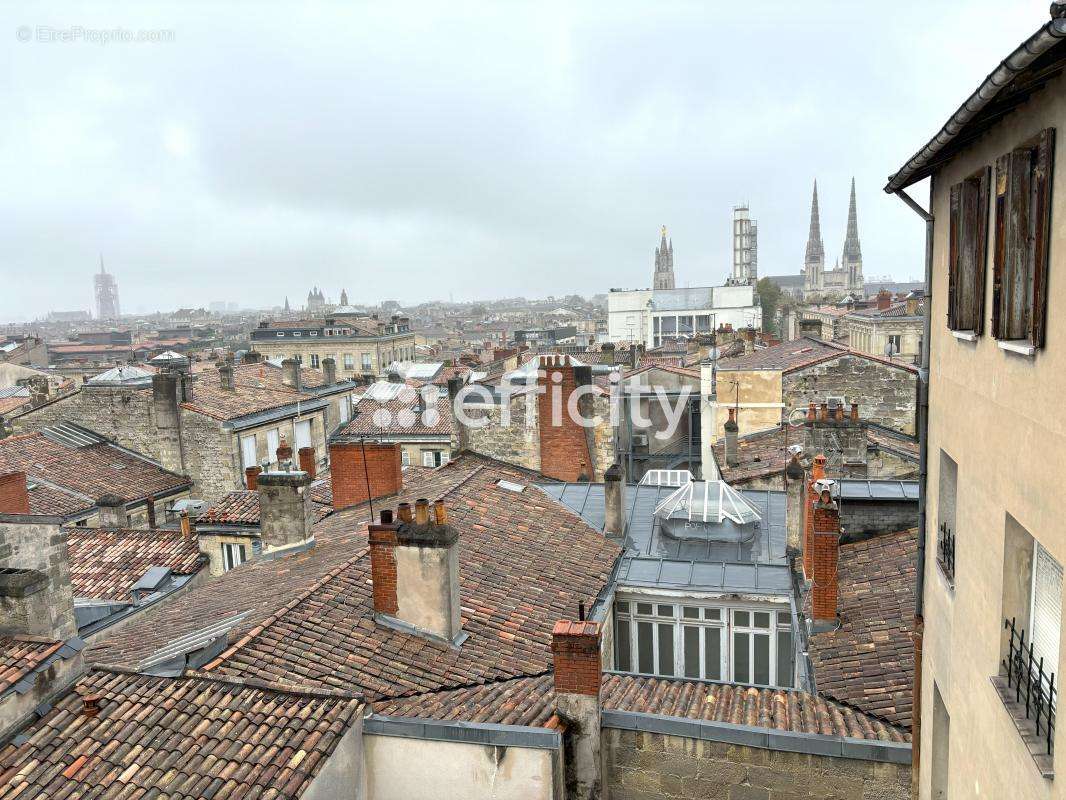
421, 151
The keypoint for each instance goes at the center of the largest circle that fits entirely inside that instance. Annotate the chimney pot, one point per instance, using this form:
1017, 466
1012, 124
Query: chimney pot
186, 526
307, 461
404, 512
823, 414
386, 516
251, 477
854, 411
440, 513
421, 511
284, 452
91, 704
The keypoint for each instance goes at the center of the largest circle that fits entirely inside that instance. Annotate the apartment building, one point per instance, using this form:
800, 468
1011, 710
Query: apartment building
358, 345
991, 590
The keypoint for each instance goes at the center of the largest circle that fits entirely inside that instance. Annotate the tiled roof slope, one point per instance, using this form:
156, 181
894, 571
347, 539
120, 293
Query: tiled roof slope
501, 597
531, 701
398, 417
21, 655
188, 737
106, 563
257, 387
525, 562
241, 506
868, 662
786, 356
73, 478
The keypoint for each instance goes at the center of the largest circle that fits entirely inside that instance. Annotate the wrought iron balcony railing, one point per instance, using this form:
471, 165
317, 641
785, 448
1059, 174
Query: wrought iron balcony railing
945, 551
1032, 684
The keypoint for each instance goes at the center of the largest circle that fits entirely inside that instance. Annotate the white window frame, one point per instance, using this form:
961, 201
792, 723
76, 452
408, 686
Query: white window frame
368, 362
349, 361
233, 555
1045, 608
302, 425
428, 459
725, 626
345, 408
405, 457
245, 451
315, 361
273, 443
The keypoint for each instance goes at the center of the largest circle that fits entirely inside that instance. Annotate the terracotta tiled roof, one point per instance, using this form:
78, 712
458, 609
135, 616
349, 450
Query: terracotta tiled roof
786, 356
531, 701
525, 561
21, 655
105, 563
868, 663
398, 418
241, 507
188, 737
70, 479
257, 387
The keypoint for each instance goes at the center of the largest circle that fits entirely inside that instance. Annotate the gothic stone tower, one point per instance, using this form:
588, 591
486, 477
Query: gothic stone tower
851, 259
814, 259
664, 264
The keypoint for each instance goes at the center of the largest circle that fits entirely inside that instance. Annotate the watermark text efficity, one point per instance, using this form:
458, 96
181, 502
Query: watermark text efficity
79, 34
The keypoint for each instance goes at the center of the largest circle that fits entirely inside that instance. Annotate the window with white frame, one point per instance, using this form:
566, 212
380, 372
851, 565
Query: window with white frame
367, 364
405, 457
1046, 607
346, 408
248, 453
688, 639
273, 443
349, 361
233, 555
314, 360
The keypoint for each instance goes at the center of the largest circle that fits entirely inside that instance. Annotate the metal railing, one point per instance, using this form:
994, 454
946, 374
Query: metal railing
1026, 676
945, 551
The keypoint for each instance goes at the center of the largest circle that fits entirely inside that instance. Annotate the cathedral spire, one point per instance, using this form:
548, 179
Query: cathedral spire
663, 278
852, 250
815, 249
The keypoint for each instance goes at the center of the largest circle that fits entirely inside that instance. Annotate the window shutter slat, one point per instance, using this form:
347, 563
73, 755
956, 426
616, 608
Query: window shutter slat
1018, 277
981, 256
1041, 221
954, 227
1046, 623
999, 253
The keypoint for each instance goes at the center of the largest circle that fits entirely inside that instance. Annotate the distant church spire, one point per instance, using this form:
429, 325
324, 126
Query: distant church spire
344, 297
664, 263
852, 255
815, 250
102, 270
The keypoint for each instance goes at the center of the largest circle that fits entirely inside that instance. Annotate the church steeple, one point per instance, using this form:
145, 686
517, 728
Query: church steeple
814, 258
852, 255
663, 277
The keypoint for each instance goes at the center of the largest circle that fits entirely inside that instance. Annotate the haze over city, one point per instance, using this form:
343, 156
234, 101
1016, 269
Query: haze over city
420, 151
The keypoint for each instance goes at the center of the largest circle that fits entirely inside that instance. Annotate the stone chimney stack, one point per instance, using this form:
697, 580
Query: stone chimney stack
614, 488
826, 524
578, 673
290, 374
563, 444
308, 463
329, 371
35, 592
795, 498
14, 494
414, 564
111, 512
912, 303
285, 513
167, 418
39, 390
252, 357
225, 378
732, 432
361, 471
251, 477
748, 334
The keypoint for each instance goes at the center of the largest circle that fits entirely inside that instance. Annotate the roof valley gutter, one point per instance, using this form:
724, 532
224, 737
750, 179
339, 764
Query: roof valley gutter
923, 469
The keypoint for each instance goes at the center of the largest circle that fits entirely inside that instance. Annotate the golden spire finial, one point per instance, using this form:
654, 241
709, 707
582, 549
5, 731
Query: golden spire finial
664, 231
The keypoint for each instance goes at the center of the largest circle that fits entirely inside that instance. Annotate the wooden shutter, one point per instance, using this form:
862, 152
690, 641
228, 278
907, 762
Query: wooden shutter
983, 186
999, 253
1044, 153
954, 230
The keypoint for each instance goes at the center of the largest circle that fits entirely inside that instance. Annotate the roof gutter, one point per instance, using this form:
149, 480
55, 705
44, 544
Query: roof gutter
1046, 37
923, 471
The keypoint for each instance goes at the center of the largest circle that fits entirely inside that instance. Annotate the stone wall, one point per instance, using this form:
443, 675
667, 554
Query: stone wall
653, 766
878, 516
122, 414
517, 443
886, 394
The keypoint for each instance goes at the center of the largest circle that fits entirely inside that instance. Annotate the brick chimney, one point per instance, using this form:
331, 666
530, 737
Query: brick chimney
285, 513
225, 378
884, 299
563, 444
111, 512
826, 540
732, 430
817, 474
329, 371
284, 452
349, 472
614, 489
306, 456
251, 477
414, 565
14, 494
290, 374
578, 673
